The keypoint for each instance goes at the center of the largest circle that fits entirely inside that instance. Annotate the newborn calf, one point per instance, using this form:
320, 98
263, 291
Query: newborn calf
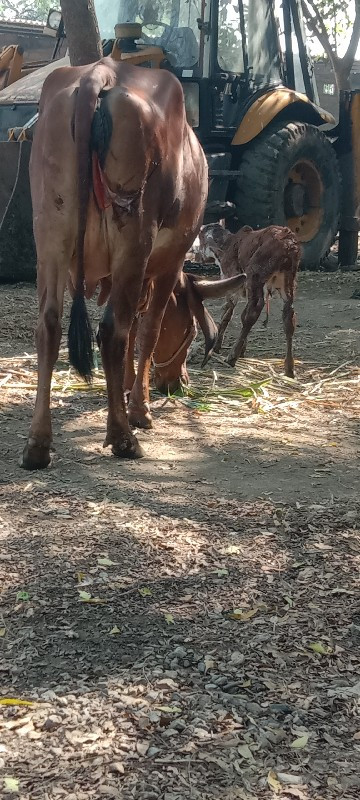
270, 259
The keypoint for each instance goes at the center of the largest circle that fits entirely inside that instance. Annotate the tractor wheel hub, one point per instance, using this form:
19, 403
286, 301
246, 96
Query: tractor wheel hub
294, 200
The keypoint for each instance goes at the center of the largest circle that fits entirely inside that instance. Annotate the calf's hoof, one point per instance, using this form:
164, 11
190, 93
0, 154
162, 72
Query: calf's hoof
35, 456
140, 418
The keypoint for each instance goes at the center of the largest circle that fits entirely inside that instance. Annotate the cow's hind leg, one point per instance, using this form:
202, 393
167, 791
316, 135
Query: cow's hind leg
250, 315
114, 333
226, 317
139, 403
51, 284
106, 324
289, 328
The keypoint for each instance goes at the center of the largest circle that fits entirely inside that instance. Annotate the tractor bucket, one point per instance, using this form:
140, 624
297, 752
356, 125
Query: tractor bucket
18, 114
17, 248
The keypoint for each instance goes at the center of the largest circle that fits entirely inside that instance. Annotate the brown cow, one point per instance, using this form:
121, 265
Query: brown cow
183, 312
118, 198
270, 257
119, 185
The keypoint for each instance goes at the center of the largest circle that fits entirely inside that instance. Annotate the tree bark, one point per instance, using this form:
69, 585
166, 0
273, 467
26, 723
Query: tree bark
82, 31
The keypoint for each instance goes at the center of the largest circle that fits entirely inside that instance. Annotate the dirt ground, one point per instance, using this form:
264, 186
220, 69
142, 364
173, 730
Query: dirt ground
188, 626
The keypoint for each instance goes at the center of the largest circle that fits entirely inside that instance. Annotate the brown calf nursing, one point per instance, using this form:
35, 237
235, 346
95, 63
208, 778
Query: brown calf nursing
184, 312
270, 259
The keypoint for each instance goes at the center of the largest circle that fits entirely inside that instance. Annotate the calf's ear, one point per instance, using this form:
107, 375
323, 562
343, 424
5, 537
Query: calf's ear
205, 320
210, 290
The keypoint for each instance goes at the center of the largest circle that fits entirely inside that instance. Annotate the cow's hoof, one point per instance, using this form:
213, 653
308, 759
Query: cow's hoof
124, 445
140, 419
289, 372
129, 449
35, 456
217, 348
231, 361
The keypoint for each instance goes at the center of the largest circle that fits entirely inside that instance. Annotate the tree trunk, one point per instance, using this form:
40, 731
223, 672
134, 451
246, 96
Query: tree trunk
82, 32
342, 71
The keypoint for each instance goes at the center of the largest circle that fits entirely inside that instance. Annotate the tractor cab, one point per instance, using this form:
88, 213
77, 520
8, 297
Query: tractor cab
226, 53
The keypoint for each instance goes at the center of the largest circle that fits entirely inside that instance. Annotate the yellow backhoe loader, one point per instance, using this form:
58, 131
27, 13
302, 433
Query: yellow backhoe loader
274, 155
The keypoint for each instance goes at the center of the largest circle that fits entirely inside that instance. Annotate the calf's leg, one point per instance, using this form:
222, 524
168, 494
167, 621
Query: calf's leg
226, 317
250, 314
51, 285
289, 321
130, 373
106, 324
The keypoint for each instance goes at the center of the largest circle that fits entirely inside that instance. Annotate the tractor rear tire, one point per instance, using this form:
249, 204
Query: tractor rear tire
289, 176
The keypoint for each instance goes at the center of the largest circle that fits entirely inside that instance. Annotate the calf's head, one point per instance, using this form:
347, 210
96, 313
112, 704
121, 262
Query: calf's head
213, 239
185, 310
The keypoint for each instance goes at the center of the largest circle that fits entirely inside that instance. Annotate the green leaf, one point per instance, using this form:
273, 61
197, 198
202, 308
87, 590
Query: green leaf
106, 562
322, 649
243, 615
2, 632
115, 630
23, 596
15, 701
11, 785
169, 709
301, 742
84, 596
222, 572
145, 591
169, 619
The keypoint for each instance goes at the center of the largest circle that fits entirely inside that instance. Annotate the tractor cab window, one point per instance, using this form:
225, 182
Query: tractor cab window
230, 52
170, 24
262, 42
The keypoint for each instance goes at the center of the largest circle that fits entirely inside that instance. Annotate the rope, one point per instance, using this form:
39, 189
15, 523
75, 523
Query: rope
189, 337
14, 188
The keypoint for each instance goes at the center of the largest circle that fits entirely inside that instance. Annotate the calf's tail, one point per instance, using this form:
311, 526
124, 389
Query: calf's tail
80, 335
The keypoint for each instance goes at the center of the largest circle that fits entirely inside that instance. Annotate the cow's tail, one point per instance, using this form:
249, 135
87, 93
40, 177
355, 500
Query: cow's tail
80, 335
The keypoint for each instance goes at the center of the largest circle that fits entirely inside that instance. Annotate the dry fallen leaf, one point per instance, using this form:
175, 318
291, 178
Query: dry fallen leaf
2, 632
142, 747
209, 663
245, 752
273, 782
106, 562
301, 742
295, 791
115, 630
169, 709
